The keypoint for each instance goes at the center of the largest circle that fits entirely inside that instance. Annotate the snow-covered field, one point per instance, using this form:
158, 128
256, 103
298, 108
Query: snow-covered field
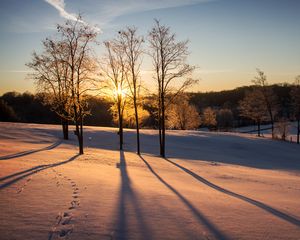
211, 186
266, 131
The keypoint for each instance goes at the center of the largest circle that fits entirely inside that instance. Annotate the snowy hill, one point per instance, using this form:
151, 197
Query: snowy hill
211, 186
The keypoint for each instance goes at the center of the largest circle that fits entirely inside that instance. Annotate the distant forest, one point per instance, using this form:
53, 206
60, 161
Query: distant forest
29, 108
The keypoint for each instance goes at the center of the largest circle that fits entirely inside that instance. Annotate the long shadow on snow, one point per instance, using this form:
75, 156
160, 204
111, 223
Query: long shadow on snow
21, 154
127, 195
199, 216
205, 146
256, 203
34, 171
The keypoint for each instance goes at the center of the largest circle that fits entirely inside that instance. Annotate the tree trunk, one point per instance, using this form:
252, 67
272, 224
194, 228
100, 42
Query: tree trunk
298, 132
79, 133
65, 128
121, 133
258, 128
80, 136
120, 127
159, 124
163, 140
137, 128
272, 126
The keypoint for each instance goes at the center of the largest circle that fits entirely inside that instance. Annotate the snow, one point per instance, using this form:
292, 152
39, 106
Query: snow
266, 130
211, 186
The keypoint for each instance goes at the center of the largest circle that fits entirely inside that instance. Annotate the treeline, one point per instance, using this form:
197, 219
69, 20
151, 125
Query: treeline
230, 99
29, 108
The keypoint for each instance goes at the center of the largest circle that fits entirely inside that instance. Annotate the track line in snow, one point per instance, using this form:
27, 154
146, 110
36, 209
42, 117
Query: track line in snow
21, 154
32, 171
200, 217
253, 202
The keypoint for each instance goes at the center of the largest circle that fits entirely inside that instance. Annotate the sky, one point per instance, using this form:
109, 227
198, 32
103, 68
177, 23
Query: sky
228, 39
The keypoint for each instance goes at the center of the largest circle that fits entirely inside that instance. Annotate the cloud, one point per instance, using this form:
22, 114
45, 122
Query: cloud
106, 11
60, 6
109, 10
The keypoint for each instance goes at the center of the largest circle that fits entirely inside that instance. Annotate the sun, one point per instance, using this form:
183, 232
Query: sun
119, 92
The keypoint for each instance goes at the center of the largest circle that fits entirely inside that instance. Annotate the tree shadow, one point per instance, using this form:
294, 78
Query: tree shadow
203, 146
32, 171
256, 203
199, 216
21, 154
127, 195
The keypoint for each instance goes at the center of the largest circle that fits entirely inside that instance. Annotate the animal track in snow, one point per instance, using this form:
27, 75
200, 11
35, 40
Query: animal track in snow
63, 226
24, 185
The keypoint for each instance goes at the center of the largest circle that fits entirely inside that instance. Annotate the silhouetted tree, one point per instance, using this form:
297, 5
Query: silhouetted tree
29, 108
131, 44
270, 99
282, 128
169, 62
225, 119
114, 70
51, 75
77, 37
7, 113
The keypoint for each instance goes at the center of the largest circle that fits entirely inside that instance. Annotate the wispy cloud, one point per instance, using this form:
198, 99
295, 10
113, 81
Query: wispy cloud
60, 6
109, 10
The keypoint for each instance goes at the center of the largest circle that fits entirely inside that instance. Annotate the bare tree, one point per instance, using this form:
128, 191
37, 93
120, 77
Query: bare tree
282, 128
77, 37
209, 117
115, 71
253, 107
270, 99
51, 75
131, 44
295, 95
169, 62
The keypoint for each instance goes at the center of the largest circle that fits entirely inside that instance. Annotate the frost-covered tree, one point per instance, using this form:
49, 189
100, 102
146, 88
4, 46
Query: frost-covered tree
209, 117
129, 115
182, 115
253, 107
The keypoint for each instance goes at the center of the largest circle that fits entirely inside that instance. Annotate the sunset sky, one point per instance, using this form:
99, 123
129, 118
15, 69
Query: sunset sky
229, 39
